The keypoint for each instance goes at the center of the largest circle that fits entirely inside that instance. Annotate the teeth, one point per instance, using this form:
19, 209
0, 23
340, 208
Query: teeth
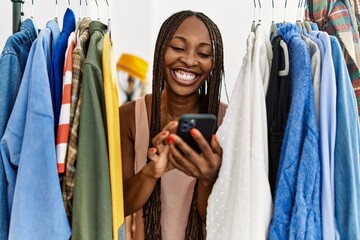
184, 76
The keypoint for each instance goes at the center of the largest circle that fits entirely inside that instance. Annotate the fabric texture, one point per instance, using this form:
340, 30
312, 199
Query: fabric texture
58, 59
240, 203
12, 65
64, 120
346, 162
91, 217
79, 56
113, 135
297, 213
28, 151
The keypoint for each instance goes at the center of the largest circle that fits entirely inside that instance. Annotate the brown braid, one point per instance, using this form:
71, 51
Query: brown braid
209, 103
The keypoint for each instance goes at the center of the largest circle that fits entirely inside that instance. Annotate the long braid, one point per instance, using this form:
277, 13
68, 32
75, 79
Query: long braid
209, 101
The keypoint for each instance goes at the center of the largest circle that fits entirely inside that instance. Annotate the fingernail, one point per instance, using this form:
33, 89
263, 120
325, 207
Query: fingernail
164, 133
193, 132
215, 138
152, 150
171, 140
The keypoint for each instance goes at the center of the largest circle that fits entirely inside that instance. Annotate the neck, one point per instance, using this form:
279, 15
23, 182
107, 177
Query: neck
173, 106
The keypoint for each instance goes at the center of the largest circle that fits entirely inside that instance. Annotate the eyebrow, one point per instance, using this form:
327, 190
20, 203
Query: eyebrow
184, 40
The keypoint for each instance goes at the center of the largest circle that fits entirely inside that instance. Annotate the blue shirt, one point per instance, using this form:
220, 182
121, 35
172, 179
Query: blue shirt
58, 59
28, 152
347, 170
12, 64
327, 118
297, 198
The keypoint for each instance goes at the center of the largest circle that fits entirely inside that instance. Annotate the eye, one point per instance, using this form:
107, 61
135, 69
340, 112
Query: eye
178, 49
204, 55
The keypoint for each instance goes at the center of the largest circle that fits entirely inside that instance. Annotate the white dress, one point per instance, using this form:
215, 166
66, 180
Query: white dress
240, 204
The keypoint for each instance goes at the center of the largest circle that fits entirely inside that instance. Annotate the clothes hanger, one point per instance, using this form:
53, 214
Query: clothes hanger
32, 16
298, 16
285, 71
109, 20
253, 25
273, 28
307, 22
285, 5
56, 12
97, 10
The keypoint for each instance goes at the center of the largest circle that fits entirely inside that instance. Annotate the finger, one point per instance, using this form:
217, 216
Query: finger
183, 156
152, 154
201, 141
178, 166
160, 139
215, 145
171, 126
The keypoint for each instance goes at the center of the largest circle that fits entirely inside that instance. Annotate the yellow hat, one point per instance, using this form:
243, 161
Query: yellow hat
133, 65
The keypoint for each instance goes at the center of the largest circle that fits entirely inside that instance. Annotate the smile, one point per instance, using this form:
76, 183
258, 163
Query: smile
184, 76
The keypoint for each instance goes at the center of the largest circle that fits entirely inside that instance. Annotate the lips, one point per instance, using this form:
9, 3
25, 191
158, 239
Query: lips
184, 76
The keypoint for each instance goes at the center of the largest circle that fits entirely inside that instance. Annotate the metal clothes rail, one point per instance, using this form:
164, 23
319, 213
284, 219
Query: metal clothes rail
17, 14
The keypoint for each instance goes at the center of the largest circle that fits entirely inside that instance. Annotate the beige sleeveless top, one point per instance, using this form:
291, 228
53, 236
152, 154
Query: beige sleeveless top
176, 187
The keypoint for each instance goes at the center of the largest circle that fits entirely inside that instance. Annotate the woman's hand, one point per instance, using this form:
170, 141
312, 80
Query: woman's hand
158, 154
204, 166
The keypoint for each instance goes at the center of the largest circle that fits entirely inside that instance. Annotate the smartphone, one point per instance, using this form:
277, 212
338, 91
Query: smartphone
205, 123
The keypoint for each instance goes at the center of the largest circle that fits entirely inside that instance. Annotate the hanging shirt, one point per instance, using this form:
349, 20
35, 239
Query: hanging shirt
315, 57
79, 56
58, 59
239, 206
327, 126
12, 65
28, 151
113, 134
64, 121
277, 108
92, 196
338, 18
346, 163
297, 199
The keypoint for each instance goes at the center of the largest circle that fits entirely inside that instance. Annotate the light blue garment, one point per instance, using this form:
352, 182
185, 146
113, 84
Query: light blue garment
12, 64
297, 212
327, 135
28, 151
347, 172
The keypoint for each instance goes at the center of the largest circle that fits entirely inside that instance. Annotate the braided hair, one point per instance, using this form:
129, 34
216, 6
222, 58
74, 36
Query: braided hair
209, 102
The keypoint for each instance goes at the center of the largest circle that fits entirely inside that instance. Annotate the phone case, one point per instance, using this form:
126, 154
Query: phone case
205, 123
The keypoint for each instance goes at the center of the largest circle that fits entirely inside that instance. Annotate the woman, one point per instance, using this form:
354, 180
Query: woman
165, 181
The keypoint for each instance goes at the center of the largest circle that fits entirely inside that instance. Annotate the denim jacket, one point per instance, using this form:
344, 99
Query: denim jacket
28, 151
12, 64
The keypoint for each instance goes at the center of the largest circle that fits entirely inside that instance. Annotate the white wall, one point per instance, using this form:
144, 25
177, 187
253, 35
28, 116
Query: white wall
135, 23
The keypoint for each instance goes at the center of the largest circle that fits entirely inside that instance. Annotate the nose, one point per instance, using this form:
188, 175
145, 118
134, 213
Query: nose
189, 59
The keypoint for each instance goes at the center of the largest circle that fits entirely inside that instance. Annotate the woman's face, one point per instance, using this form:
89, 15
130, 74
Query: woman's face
188, 58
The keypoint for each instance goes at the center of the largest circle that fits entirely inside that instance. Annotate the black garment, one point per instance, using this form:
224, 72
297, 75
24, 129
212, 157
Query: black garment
277, 108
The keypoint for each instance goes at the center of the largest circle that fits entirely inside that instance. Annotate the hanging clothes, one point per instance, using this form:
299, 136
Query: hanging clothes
79, 56
338, 18
62, 138
92, 196
327, 117
297, 199
113, 134
277, 108
32, 164
346, 162
58, 59
12, 65
240, 204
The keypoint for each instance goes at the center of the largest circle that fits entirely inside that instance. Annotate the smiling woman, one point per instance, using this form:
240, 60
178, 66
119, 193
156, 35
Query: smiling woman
166, 182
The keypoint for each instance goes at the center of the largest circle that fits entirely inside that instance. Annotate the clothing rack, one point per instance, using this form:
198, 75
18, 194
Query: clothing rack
17, 14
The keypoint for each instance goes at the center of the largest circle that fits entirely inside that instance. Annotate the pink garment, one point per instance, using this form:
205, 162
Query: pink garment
176, 187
